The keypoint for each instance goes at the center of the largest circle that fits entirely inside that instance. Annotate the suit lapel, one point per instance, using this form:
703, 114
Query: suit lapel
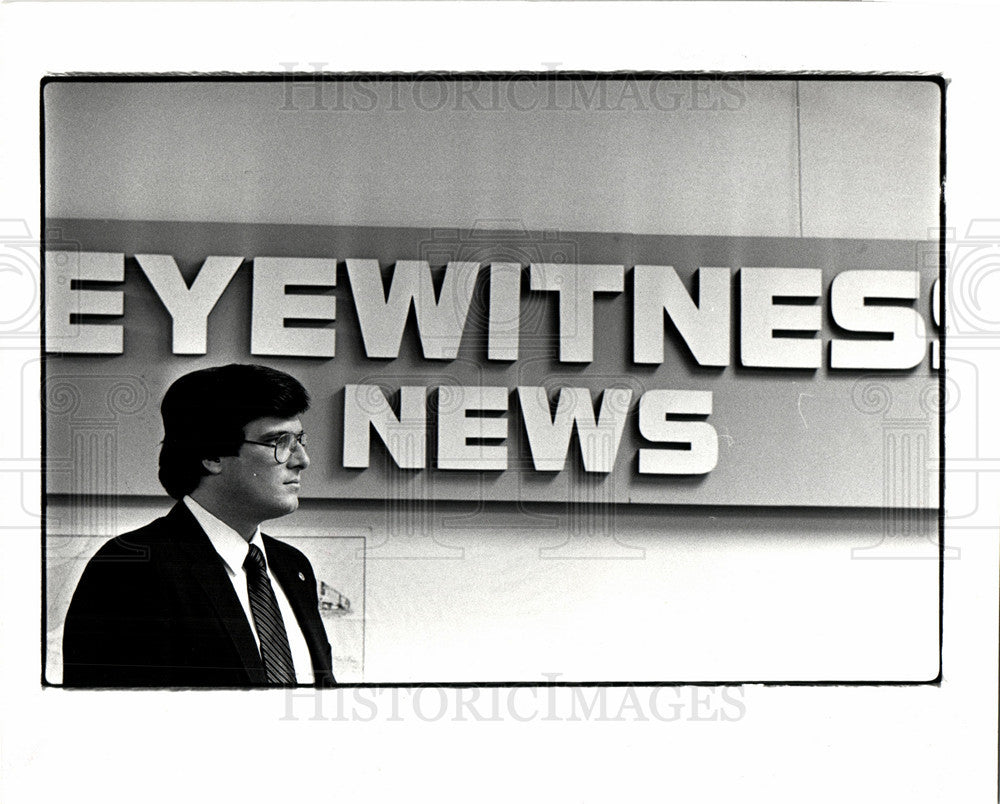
207, 570
303, 602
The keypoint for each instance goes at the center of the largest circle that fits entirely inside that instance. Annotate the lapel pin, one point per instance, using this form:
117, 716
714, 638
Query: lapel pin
302, 576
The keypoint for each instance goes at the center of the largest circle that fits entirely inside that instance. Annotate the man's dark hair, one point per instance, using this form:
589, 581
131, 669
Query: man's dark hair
204, 414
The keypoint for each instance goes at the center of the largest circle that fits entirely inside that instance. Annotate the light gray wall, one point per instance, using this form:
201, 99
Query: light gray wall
462, 593
725, 161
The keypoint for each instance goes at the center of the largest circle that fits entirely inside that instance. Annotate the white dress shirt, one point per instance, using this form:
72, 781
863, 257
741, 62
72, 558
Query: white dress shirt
233, 549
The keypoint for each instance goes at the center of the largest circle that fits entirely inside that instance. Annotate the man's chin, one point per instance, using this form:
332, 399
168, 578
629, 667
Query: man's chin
286, 506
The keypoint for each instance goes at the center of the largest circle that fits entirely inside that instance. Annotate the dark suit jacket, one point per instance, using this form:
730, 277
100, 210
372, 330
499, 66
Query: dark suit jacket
155, 608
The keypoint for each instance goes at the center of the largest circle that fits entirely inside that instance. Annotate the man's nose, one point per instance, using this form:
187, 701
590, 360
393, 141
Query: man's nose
299, 457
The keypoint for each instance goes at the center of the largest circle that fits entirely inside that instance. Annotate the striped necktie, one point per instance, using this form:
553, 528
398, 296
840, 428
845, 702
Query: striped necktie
267, 620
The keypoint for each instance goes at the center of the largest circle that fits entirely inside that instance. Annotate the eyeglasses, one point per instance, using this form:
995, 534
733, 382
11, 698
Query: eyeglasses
283, 445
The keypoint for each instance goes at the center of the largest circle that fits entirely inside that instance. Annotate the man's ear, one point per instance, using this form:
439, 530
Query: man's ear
212, 465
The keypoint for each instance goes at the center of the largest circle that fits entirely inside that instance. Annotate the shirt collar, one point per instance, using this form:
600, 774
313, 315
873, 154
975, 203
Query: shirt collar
231, 547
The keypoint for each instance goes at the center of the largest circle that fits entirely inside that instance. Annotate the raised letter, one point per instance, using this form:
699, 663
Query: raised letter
440, 322
762, 317
576, 285
365, 406
849, 304
189, 307
62, 300
272, 306
936, 318
549, 438
704, 326
698, 451
505, 310
456, 427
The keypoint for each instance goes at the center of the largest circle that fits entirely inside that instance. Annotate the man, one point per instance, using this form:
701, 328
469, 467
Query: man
200, 597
